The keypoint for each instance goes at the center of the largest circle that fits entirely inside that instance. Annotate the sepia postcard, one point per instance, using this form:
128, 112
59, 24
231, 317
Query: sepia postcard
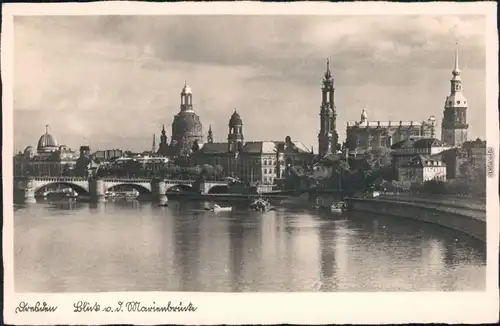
250, 163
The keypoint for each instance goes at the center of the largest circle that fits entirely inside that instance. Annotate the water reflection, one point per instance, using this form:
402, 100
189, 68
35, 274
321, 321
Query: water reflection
138, 246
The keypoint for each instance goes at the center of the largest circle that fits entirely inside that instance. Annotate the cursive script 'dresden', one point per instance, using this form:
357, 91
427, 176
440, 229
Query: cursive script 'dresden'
37, 307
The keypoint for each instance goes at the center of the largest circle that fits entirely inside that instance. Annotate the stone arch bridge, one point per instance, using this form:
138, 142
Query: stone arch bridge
96, 188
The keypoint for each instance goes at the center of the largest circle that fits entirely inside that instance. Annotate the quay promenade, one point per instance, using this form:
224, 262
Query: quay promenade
467, 215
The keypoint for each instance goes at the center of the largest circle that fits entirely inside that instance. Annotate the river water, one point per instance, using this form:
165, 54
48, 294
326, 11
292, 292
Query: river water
135, 246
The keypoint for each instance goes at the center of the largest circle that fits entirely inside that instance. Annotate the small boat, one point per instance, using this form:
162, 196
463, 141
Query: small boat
338, 207
163, 205
217, 208
261, 205
59, 194
109, 194
126, 195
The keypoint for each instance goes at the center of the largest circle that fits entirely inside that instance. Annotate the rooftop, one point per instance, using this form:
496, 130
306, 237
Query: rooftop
423, 161
257, 147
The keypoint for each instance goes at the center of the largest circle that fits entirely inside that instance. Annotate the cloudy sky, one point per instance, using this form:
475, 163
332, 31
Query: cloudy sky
116, 79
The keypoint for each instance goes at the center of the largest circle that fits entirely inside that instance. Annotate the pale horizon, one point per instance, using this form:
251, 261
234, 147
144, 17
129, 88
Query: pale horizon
113, 81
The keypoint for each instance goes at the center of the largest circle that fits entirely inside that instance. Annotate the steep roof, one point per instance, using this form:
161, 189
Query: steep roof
406, 143
428, 142
478, 143
256, 147
423, 161
214, 148
329, 159
259, 147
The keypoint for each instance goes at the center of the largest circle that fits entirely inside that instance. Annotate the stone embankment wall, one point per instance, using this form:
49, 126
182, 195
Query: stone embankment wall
465, 215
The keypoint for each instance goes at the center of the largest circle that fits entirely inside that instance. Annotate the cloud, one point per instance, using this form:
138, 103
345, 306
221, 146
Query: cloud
117, 79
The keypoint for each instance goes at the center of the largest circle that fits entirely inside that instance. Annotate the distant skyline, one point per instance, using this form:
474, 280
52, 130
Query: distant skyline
115, 80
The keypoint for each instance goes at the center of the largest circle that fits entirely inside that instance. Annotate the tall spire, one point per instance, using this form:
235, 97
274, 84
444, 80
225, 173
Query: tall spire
456, 70
153, 149
210, 137
163, 130
328, 74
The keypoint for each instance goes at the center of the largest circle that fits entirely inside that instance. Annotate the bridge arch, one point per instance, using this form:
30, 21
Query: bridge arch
219, 189
185, 187
142, 189
79, 189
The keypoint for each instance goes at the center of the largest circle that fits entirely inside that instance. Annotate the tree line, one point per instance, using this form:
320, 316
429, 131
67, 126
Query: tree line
373, 171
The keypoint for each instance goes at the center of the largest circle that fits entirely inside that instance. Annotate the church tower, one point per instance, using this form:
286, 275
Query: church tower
153, 147
327, 137
186, 127
186, 98
454, 125
210, 137
235, 135
163, 148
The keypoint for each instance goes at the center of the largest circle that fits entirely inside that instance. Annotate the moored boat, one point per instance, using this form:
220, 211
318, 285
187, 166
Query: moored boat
126, 195
261, 205
338, 207
217, 208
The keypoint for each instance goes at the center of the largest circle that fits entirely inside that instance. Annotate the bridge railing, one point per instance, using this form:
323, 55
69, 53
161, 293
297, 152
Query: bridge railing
142, 180
59, 179
127, 180
179, 181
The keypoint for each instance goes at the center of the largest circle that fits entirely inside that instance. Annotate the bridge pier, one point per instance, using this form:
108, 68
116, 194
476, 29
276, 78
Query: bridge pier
97, 190
29, 196
28, 187
159, 190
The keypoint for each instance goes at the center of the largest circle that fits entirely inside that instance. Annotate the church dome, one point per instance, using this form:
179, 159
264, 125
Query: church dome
186, 124
29, 152
235, 119
46, 141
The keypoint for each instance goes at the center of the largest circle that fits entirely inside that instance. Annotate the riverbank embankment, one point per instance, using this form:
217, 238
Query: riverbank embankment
467, 215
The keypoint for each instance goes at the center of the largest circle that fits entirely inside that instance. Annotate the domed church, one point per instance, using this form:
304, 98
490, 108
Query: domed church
187, 129
47, 143
49, 158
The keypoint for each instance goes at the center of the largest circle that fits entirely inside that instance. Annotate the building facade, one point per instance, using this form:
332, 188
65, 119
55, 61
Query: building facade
49, 158
327, 137
422, 168
454, 125
407, 149
364, 134
471, 153
106, 155
252, 161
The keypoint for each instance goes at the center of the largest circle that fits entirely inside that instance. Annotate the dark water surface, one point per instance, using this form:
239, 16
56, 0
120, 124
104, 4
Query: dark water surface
142, 247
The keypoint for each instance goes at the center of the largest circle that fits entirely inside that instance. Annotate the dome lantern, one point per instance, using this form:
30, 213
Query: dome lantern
186, 89
235, 120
